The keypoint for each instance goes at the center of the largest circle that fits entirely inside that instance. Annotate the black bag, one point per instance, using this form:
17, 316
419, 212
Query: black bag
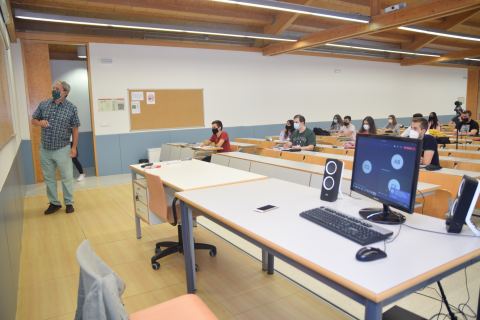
443, 140
320, 132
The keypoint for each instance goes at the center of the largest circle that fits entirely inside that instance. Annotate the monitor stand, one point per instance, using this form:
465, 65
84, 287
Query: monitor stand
383, 216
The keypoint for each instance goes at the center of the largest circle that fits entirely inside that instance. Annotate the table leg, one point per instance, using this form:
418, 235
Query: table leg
373, 311
138, 227
188, 247
264, 260
270, 260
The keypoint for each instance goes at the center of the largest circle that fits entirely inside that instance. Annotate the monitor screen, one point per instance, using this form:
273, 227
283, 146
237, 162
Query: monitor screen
385, 169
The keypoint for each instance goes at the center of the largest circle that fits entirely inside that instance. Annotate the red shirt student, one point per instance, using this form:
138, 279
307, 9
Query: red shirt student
219, 137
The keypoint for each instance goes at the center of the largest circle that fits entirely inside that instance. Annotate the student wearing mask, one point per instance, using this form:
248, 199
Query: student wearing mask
286, 133
467, 126
393, 125
406, 133
337, 123
368, 126
302, 138
433, 122
418, 130
219, 138
348, 129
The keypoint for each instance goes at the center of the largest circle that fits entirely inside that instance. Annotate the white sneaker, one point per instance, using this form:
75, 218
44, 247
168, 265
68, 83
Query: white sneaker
81, 177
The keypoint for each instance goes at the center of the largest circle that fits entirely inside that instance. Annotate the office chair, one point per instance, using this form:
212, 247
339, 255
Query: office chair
100, 290
157, 203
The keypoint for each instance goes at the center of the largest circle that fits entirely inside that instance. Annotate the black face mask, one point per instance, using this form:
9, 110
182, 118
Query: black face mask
346, 122
289, 127
430, 118
214, 130
465, 120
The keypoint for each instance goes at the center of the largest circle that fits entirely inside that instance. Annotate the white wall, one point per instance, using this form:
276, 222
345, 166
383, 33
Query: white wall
250, 89
75, 73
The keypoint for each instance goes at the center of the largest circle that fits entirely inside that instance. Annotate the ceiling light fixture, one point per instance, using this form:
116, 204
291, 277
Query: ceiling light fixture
471, 59
300, 9
36, 16
382, 50
441, 33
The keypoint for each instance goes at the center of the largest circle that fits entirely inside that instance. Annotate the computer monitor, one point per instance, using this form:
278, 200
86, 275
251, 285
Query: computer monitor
385, 169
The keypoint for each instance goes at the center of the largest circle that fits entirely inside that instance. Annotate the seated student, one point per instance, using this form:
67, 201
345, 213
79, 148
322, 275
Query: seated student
219, 138
337, 123
393, 125
433, 122
418, 130
286, 133
348, 129
468, 126
406, 133
302, 138
368, 126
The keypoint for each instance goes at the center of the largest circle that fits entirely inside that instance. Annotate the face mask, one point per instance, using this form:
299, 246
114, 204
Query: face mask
366, 127
335, 121
390, 120
296, 125
464, 119
288, 127
346, 122
414, 134
55, 94
214, 130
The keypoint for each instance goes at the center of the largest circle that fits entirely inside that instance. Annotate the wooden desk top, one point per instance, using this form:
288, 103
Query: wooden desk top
194, 174
413, 256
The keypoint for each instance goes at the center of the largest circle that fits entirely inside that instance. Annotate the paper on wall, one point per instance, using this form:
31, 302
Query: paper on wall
105, 105
135, 107
137, 95
119, 104
150, 97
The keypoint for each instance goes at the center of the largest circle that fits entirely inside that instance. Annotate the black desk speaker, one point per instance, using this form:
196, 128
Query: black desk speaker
464, 205
332, 176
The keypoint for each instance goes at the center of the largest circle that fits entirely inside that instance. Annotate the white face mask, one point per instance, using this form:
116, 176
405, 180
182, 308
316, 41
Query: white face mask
413, 134
296, 125
335, 121
366, 127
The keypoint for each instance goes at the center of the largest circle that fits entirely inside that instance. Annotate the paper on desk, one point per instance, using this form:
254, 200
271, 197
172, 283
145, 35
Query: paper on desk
137, 95
136, 107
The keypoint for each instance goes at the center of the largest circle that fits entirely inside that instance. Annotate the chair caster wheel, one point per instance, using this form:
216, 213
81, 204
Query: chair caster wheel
155, 266
212, 252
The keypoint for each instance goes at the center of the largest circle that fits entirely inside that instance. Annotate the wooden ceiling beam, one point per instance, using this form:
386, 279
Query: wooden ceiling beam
10, 23
411, 15
457, 55
422, 40
284, 20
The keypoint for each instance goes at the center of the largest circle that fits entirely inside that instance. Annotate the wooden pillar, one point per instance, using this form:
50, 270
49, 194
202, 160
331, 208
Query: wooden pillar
38, 84
473, 85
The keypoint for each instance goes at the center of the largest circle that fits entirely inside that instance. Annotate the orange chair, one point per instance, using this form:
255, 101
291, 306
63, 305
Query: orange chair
447, 164
468, 166
315, 160
292, 156
157, 203
438, 204
270, 153
100, 290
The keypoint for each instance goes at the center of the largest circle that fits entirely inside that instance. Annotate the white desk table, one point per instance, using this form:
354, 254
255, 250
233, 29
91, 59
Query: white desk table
414, 257
425, 188
191, 174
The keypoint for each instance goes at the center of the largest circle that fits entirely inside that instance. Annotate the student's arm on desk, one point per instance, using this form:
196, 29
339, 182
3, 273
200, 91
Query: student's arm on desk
310, 147
427, 157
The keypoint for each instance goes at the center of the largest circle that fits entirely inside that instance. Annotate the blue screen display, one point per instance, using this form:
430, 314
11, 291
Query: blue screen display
386, 170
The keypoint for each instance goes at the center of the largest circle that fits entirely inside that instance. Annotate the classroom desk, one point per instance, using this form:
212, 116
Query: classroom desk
470, 147
188, 175
470, 154
413, 261
302, 172
244, 147
260, 143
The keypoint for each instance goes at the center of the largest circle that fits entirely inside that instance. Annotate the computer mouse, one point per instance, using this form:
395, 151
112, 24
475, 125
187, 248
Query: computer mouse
370, 254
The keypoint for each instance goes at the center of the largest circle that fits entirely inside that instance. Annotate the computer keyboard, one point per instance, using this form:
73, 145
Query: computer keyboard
357, 230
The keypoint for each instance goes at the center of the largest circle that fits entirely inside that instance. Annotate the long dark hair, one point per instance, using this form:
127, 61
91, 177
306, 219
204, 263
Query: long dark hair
432, 120
288, 132
339, 120
394, 119
371, 123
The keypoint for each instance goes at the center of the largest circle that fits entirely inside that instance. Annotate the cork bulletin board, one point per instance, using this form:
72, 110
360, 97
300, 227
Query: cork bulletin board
165, 108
